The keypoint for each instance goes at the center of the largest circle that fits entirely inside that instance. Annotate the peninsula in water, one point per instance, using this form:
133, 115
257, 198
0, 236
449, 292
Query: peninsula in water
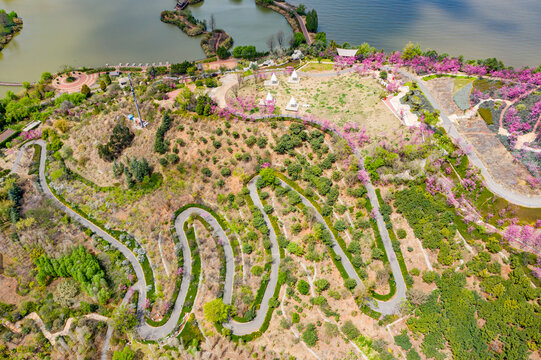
10, 25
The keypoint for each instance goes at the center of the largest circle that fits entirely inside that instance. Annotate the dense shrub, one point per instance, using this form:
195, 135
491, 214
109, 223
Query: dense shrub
303, 287
431, 219
350, 330
120, 139
159, 144
309, 336
403, 340
79, 264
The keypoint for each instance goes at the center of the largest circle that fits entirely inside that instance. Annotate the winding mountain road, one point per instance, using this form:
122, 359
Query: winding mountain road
148, 332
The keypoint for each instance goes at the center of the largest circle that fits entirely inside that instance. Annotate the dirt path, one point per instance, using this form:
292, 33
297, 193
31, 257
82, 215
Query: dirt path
17, 327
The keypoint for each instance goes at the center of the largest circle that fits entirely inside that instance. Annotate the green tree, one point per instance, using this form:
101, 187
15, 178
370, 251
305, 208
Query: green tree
350, 283
309, 336
312, 21
103, 85
268, 176
350, 330
411, 50
298, 39
403, 340
223, 53
125, 354
124, 319
85, 90
321, 285
303, 287
216, 311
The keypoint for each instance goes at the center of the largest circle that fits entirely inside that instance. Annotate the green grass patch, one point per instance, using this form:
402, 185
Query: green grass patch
486, 114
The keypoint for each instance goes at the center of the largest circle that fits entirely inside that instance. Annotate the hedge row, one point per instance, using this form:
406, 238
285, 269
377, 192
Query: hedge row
392, 235
264, 283
379, 244
265, 325
332, 253
234, 243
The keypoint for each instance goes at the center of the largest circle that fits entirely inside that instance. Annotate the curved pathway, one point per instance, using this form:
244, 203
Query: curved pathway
288, 7
384, 307
144, 330
491, 184
238, 328
148, 332
17, 327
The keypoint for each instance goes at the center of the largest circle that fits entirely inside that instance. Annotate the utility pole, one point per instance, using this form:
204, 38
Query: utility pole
135, 101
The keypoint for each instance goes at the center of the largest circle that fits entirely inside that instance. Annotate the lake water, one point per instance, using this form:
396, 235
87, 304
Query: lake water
93, 33
507, 30
99, 32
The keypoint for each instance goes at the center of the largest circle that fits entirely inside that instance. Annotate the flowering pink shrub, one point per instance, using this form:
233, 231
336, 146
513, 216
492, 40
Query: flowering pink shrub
474, 69
32, 134
363, 176
431, 185
393, 86
341, 62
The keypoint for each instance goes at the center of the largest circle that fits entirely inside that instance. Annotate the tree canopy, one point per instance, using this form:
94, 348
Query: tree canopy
216, 311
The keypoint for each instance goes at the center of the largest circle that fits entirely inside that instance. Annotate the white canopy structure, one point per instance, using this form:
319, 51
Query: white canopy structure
294, 78
267, 99
347, 52
273, 81
292, 105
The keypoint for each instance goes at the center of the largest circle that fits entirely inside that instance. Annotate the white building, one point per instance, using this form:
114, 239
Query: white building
123, 81
347, 52
267, 99
294, 78
292, 105
273, 81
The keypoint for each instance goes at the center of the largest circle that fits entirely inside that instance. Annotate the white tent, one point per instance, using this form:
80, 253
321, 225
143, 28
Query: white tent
347, 52
267, 99
273, 81
294, 78
292, 105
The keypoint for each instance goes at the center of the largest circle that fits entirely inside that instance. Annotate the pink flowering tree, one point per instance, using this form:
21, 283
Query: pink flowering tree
363, 176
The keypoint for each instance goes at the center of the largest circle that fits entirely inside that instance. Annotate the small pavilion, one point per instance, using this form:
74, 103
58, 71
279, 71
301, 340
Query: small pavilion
294, 78
347, 52
273, 81
292, 105
267, 99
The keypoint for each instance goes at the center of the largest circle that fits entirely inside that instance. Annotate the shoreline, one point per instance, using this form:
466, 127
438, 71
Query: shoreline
210, 41
290, 18
15, 30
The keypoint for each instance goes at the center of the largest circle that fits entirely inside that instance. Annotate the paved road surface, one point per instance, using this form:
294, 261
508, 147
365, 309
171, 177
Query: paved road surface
254, 325
148, 332
287, 7
490, 183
